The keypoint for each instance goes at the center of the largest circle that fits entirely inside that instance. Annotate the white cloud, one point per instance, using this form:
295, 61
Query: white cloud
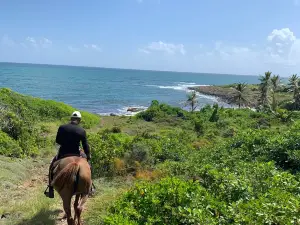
168, 48
93, 47
6, 41
46, 41
73, 49
96, 47
32, 41
38, 43
144, 51
240, 49
284, 35
280, 53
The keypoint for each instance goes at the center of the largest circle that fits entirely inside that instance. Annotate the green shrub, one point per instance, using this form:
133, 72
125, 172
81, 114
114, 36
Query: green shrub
105, 147
36, 109
170, 201
116, 129
9, 147
214, 116
199, 127
20, 116
275, 207
160, 110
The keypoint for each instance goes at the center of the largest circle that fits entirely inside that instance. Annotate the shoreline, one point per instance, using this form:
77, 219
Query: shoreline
226, 93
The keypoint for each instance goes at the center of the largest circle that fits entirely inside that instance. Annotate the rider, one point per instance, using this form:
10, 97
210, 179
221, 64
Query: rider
69, 137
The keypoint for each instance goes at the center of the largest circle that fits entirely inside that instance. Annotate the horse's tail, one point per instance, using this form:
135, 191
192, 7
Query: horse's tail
67, 176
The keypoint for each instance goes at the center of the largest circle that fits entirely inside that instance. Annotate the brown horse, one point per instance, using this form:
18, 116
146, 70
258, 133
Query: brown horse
72, 176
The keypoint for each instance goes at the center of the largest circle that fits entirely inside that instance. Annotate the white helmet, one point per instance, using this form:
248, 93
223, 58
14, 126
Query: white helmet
76, 114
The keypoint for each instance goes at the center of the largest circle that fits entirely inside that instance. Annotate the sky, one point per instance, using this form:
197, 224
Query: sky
207, 36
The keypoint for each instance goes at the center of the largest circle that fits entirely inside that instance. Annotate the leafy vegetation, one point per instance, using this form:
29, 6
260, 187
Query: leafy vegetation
240, 96
238, 167
192, 100
22, 123
212, 166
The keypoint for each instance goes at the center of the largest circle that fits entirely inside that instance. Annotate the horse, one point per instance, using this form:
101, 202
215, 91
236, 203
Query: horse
72, 176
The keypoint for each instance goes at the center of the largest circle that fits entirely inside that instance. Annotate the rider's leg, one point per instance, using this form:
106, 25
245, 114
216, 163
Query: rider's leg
93, 188
50, 194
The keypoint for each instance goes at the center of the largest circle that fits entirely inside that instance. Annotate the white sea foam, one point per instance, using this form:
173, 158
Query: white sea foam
123, 111
184, 86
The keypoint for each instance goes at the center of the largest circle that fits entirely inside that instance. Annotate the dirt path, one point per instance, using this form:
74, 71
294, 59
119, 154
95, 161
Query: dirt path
24, 202
40, 180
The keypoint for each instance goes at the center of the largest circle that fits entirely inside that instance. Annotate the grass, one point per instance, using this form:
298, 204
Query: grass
34, 208
22, 198
23, 182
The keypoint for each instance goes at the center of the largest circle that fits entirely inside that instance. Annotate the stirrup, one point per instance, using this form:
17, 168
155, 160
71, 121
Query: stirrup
93, 190
50, 193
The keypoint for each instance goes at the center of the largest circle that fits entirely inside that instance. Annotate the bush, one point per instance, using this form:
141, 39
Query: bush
105, 148
36, 109
215, 116
171, 201
20, 118
199, 127
160, 110
267, 146
275, 207
9, 147
116, 130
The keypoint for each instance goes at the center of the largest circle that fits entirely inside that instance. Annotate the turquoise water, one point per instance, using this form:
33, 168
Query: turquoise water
107, 91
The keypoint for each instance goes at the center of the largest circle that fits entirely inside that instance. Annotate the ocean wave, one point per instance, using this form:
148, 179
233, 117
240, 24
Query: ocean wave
210, 97
184, 86
123, 111
180, 86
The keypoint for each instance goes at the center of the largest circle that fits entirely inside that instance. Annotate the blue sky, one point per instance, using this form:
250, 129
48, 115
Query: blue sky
215, 36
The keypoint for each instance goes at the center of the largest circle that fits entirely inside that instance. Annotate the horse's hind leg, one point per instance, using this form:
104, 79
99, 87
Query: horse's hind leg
67, 208
80, 207
76, 203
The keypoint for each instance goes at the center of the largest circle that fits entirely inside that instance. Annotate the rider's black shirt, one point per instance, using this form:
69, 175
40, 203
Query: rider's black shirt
69, 137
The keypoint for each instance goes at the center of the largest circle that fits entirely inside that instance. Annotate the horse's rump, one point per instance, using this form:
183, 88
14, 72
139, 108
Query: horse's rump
72, 173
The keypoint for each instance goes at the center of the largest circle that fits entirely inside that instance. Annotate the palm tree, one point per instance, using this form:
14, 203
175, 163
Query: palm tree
294, 84
240, 96
192, 100
294, 87
275, 82
264, 87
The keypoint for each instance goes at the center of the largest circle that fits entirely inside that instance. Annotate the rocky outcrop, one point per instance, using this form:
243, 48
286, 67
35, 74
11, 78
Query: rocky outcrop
226, 94
134, 109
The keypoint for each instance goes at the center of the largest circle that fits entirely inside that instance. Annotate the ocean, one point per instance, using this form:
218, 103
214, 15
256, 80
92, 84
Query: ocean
105, 91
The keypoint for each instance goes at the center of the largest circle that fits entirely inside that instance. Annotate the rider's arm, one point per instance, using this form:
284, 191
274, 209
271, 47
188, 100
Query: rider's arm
59, 136
86, 146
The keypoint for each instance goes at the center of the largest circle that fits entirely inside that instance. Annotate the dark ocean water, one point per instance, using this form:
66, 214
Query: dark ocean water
106, 91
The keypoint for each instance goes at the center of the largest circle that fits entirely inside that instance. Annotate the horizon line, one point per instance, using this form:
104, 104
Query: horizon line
132, 69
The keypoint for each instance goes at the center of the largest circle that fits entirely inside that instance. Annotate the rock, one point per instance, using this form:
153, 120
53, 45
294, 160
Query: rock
134, 109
